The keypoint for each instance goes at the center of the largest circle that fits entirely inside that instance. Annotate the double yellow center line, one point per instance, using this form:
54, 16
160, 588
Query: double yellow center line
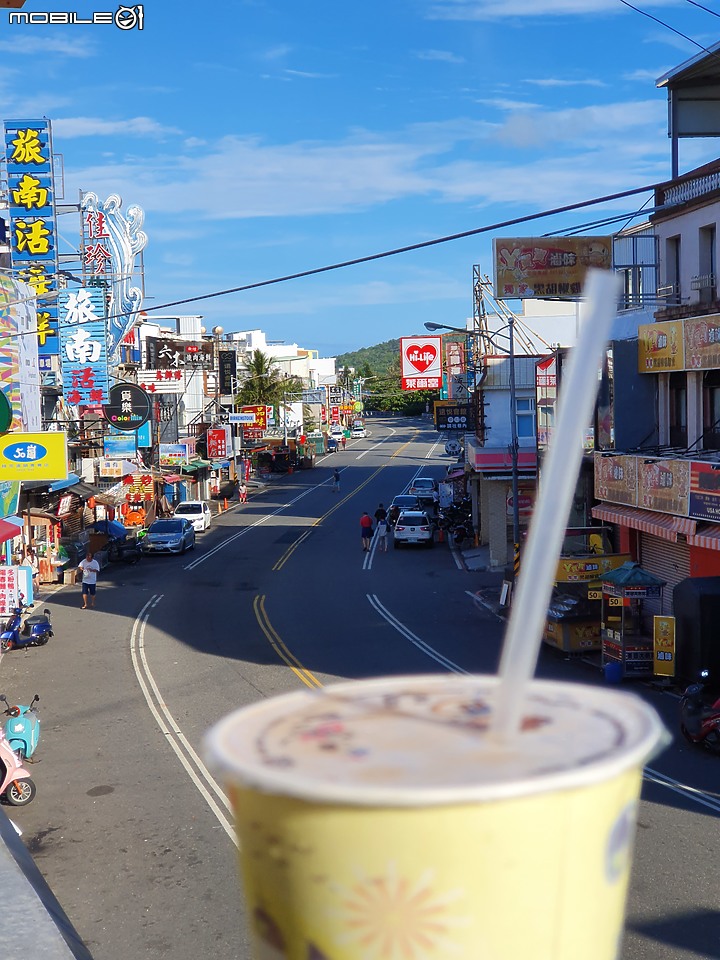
308, 678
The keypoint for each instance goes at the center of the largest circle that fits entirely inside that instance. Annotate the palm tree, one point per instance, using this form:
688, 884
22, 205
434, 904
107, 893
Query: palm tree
262, 383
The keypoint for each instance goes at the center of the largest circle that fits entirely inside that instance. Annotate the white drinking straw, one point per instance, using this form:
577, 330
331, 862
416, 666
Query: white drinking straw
557, 485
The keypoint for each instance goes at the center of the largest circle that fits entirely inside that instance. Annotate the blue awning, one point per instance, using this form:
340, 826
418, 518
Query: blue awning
56, 485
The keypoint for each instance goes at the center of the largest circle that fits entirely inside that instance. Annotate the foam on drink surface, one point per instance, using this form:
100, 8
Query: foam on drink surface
417, 740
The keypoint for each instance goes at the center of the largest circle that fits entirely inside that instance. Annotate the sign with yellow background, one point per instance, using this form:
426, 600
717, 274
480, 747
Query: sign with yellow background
528, 267
664, 646
616, 479
664, 485
661, 347
33, 456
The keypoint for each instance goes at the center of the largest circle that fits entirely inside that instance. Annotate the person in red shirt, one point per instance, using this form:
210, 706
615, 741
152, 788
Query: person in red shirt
366, 529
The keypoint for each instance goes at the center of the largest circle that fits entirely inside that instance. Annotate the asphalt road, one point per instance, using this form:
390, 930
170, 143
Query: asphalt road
128, 826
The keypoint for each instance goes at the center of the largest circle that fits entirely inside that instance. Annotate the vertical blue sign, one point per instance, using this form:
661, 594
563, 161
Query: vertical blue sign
83, 346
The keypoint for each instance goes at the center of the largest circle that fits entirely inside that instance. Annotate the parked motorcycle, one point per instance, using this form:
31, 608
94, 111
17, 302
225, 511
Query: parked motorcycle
35, 632
126, 550
699, 722
16, 785
22, 727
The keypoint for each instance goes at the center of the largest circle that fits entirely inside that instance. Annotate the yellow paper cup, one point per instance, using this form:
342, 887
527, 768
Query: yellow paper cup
379, 820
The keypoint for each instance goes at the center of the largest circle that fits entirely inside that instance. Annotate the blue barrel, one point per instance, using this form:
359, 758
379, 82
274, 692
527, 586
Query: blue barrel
613, 672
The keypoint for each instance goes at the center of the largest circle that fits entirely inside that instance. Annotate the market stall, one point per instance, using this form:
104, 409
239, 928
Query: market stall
627, 640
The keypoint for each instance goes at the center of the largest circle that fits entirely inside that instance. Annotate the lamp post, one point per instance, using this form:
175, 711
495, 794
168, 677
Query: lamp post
514, 444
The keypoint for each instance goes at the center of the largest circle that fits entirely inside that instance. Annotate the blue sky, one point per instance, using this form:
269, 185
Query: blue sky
265, 138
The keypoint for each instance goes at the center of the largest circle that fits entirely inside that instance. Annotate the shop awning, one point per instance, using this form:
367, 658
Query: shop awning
706, 536
172, 478
72, 480
194, 466
663, 525
10, 527
219, 464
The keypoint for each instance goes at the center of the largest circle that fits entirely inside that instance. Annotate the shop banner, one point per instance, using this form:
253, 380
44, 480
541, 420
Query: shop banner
128, 407
661, 346
526, 267
702, 343
173, 353
227, 367
588, 568
704, 490
421, 363
664, 646
664, 485
33, 456
9, 589
217, 444
9, 496
451, 415
83, 346
162, 381
616, 479
175, 454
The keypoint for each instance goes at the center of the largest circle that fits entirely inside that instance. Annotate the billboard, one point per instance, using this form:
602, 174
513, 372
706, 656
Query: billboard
83, 346
33, 456
527, 267
33, 227
173, 353
19, 362
421, 363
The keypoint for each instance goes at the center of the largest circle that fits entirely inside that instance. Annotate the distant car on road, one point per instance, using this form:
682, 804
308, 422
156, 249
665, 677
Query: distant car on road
425, 489
358, 432
404, 501
413, 526
332, 445
336, 431
175, 535
197, 512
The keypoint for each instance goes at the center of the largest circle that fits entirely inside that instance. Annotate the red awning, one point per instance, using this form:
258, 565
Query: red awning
172, 478
663, 525
707, 536
10, 527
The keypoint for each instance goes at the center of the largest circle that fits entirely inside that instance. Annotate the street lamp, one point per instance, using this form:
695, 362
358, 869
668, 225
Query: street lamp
514, 444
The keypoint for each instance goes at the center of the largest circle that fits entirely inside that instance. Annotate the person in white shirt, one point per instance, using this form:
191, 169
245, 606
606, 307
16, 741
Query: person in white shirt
90, 569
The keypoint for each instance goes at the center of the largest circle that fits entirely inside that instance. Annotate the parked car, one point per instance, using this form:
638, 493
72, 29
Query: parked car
175, 535
425, 489
404, 501
413, 526
197, 512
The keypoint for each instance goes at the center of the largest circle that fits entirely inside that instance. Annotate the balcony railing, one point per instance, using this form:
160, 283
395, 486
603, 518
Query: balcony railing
704, 281
691, 189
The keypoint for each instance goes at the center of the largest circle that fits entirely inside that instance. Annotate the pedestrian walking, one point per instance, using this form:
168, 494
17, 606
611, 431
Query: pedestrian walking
336, 481
381, 533
90, 569
343, 441
380, 513
366, 529
31, 561
242, 492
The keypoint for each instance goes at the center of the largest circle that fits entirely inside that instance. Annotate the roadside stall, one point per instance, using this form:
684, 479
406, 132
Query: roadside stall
574, 613
627, 641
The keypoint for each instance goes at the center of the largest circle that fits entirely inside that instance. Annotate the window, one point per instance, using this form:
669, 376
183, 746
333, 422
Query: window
706, 281
678, 409
525, 417
672, 269
711, 410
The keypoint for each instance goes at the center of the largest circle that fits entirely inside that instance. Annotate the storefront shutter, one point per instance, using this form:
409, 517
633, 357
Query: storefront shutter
670, 562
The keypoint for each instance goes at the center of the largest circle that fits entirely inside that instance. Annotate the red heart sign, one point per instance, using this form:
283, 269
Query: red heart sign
421, 356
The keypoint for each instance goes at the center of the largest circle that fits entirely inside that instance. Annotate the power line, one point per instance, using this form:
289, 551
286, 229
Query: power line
679, 33
701, 7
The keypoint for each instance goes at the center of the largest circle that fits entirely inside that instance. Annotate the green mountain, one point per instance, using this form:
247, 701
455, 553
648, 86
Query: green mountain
379, 358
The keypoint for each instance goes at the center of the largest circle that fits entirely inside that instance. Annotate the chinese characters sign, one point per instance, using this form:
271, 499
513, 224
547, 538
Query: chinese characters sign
421, 363
170, 353
162, 381
111, 241
217, 445
9, 590
138, 487
19, 364
661, 346
546, 266
616, 479
83, 349
33, 456
31, 199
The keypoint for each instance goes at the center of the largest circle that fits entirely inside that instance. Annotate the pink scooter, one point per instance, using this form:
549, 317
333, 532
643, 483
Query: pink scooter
15, 783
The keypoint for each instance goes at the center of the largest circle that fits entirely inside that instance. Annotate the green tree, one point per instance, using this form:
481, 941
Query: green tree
262, 382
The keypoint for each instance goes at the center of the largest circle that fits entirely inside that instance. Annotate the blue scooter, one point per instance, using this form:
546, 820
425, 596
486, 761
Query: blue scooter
35, 632
22, 727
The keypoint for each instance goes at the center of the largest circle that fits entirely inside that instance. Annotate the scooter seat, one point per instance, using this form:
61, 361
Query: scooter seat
34, 621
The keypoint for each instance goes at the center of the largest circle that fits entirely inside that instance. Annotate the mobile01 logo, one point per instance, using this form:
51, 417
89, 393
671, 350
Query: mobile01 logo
124, 18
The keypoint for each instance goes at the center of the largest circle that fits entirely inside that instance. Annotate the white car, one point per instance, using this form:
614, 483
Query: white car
197, 512
358, 431
425, 489
336, 431
413, 526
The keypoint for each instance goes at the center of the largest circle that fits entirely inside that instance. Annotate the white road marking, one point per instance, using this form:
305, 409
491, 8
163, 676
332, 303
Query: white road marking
416, 641
170, 730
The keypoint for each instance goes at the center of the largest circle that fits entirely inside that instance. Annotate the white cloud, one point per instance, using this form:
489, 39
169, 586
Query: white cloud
24, 45
557, 82
70, 127
311, 76
442, 56
503, 103
502, 9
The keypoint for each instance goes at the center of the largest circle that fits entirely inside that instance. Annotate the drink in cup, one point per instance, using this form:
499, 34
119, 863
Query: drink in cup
384, 819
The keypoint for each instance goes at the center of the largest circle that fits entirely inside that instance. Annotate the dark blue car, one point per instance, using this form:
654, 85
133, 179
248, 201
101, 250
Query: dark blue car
332, 445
